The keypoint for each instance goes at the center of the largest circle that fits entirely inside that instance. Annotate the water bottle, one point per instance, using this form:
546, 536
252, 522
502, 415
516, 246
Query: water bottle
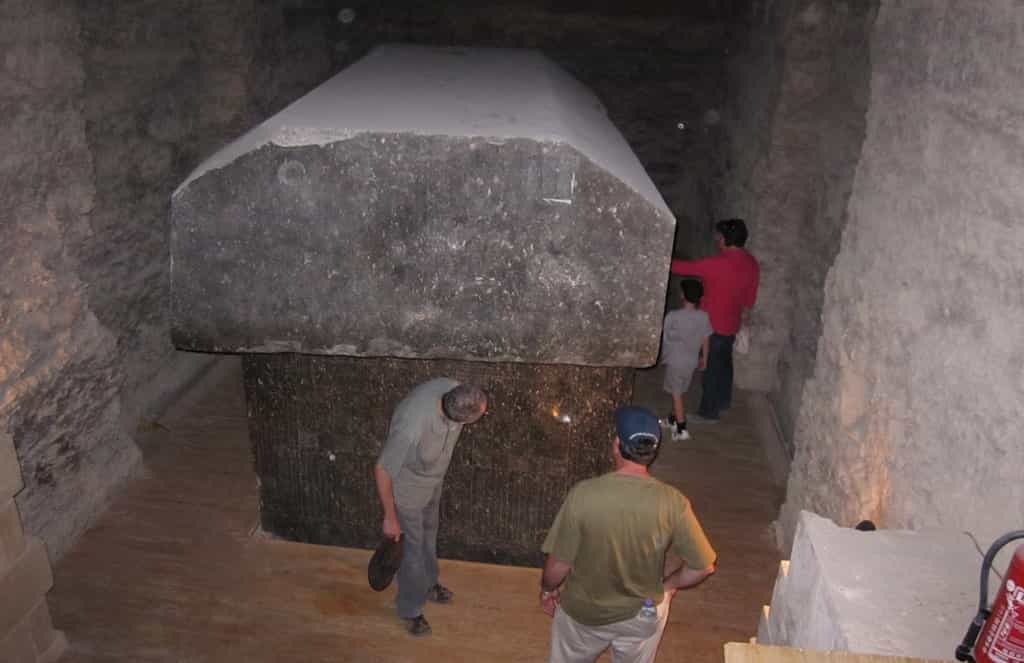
649, 610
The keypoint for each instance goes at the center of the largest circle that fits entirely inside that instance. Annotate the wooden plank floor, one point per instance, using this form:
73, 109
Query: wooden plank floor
172, 572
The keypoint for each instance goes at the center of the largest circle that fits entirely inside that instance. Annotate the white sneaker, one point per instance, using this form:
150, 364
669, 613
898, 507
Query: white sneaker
681, 434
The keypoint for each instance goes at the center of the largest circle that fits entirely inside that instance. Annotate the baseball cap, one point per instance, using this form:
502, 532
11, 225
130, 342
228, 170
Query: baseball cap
638, 429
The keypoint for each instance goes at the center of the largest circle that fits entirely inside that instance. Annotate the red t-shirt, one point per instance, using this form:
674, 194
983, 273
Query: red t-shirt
730, 285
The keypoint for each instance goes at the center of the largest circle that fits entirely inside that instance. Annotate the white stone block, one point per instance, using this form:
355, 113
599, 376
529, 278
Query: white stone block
890, 592
779, 589
764, 635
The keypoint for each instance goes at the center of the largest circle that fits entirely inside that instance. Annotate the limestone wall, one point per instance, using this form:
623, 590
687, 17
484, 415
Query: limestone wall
795, 123
59, 380
913, 415
108, 105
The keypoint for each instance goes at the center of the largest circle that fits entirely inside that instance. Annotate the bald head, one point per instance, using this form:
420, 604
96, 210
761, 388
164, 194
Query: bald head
465, 403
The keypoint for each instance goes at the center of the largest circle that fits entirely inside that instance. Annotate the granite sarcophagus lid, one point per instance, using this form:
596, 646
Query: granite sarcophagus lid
460, 203
461, 212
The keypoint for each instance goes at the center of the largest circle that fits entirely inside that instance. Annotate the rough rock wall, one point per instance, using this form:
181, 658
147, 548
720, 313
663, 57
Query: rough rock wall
168, 83
58, 363
913, 416
108, 106
795, 124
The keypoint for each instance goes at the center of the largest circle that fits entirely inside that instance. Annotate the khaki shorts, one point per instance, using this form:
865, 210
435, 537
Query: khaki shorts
677, 378
634, 640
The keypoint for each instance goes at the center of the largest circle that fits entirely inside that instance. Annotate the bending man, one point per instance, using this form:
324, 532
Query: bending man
409, 473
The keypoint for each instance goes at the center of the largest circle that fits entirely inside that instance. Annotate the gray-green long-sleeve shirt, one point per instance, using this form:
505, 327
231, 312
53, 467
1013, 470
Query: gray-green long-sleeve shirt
420, 443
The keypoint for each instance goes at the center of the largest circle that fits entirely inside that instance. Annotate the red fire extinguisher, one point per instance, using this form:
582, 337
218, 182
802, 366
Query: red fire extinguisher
1001, 628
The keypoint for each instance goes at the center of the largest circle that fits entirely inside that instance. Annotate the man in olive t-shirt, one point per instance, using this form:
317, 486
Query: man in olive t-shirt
607, 551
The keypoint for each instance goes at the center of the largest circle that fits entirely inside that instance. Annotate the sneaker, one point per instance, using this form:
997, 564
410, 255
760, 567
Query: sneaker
705, 421
440, 594
682, 434
668, 422
417, 626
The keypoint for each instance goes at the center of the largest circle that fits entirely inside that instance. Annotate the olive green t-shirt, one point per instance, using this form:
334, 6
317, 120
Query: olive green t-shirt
615, 530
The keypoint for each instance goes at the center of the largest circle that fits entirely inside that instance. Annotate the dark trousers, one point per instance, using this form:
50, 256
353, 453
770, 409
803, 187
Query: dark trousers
418, 572
717, 383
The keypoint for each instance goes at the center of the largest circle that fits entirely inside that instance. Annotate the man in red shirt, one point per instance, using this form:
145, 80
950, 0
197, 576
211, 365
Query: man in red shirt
730, 286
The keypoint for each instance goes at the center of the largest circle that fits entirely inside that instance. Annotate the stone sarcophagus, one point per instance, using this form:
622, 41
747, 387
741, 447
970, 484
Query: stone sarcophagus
422, 212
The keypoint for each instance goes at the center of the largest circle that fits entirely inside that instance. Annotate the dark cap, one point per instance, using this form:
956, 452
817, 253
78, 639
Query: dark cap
638, 430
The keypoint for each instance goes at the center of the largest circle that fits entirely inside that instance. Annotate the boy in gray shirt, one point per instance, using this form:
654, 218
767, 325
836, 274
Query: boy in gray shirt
684, 348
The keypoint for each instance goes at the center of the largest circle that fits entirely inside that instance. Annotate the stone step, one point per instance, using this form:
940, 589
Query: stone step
10, 470
22, 586
33, 639
12, 537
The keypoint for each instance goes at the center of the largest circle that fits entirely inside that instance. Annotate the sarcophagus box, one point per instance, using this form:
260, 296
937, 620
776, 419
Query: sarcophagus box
317, 423
461, 212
